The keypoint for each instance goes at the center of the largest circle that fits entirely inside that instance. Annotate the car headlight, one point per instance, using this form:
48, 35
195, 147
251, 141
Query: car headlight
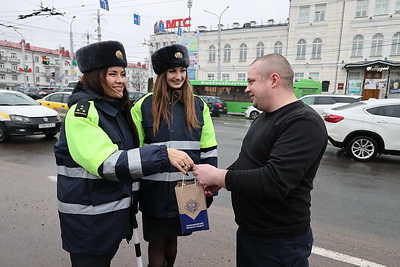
19, 118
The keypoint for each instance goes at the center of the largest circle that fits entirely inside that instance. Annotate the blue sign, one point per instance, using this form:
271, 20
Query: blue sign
136, 19
52, 83
161, 26
104, 4
179, 31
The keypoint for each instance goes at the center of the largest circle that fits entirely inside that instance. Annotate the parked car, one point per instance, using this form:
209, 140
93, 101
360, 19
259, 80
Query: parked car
321, 102
365, 128
134, 96
20, 115
215, 104
40, 92
20, 89
252, 112
57, 101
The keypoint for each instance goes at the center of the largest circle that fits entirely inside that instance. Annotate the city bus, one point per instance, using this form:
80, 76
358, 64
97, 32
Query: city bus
232, 92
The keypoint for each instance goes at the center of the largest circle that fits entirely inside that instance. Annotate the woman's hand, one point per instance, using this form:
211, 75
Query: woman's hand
180, 160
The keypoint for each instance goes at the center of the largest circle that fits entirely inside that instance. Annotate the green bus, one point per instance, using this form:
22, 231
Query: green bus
237, 101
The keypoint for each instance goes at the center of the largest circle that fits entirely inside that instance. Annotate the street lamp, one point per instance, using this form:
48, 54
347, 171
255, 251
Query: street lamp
219, 41
23, 55
71, 39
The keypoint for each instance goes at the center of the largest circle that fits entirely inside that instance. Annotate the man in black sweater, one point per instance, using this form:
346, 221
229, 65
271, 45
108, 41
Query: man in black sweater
273, 176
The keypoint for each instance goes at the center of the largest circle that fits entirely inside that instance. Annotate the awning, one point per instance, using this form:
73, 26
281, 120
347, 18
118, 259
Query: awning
379, 62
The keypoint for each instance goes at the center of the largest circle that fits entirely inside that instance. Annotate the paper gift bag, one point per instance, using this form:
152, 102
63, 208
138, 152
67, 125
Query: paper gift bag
192, 206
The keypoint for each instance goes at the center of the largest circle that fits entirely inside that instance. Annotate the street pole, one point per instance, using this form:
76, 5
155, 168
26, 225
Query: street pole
219, 41
71, 40
23, 56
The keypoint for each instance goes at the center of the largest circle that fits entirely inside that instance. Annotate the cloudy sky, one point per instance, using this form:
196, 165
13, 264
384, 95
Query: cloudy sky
52, 31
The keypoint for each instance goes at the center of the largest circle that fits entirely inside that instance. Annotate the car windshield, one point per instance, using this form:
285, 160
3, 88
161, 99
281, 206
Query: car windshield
16, 99
351, 105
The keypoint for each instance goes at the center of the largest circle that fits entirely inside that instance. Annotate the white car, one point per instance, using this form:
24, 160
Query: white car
321, 102
365, 128
252, 113
20, 115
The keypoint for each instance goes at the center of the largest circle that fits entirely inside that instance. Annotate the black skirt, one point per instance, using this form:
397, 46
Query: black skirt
159, 228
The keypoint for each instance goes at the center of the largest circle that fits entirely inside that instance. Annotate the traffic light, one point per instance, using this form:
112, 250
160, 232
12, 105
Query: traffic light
45, 61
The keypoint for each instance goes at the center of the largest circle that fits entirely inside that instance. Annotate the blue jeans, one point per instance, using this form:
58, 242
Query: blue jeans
254, 250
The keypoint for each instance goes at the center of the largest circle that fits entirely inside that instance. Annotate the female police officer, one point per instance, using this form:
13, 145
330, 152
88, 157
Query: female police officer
99, 162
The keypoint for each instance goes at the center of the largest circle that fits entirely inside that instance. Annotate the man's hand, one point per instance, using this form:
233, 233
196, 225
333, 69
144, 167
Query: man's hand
209, 176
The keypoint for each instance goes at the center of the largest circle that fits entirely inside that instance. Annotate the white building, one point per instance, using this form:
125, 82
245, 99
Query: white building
352, 46
28, 66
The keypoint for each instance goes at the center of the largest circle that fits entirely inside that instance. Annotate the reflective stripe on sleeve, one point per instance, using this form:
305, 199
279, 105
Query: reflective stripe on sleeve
181, 145
76, 172
109, 166
69, 208
166, 177
135, 163
135, 186
209, 154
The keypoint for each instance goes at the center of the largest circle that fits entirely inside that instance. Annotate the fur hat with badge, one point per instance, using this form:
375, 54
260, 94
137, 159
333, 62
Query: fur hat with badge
169, 57
101, 55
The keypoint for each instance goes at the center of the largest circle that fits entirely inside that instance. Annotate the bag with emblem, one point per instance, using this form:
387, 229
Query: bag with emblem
192, 206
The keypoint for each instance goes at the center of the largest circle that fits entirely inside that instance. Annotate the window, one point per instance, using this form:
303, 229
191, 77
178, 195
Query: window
320, 12
243, 52
298, 76
226, 76
36, 59
1, 54
37, 79
14, 77
227, 53
362, 6
396, 44
398, 6
14, 67
165, 44
388, 111
241, 76
316, 48
27, 78
259, 50
1, 65
301, 49
376, 47
13, 55
36, 69
381, 7
304, 11
278, 47
356, 50
210, 76
314, 75
211, 53
2, 76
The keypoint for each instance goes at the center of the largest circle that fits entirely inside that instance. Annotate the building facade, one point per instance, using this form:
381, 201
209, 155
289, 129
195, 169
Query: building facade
352, 47
29, 66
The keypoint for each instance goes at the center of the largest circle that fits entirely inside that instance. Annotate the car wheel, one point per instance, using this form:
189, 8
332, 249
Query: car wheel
4, 136
362, 148
254, 115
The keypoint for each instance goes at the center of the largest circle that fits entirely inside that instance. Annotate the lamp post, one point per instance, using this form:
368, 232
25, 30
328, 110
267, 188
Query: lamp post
71, 39
219, 41
23, 55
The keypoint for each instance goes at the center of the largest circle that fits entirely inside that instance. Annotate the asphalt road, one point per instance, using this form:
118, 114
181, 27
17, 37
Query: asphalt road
355, 209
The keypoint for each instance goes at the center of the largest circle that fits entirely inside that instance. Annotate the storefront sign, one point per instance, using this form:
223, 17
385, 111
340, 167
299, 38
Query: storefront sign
377, 68
176, 23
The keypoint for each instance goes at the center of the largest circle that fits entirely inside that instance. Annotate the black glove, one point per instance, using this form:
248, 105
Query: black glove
209, 201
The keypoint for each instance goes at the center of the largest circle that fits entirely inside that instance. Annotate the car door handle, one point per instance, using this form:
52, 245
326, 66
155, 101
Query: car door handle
382, 122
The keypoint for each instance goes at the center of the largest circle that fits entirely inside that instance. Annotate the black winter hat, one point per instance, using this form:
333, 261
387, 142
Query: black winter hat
170, 57
101, 55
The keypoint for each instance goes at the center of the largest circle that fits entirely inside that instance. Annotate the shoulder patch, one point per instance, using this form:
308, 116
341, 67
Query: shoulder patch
82, 108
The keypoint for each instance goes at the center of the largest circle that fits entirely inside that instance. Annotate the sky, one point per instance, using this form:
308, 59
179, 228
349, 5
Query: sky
53, 31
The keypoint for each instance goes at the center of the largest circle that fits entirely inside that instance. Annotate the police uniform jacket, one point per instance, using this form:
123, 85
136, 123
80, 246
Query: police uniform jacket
98, 173
157, 196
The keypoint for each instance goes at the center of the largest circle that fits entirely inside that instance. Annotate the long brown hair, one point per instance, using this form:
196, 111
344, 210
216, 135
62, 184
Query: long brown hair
96, 81
161, 99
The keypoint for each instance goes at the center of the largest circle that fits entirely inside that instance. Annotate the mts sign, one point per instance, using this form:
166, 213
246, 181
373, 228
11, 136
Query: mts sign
176, 23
